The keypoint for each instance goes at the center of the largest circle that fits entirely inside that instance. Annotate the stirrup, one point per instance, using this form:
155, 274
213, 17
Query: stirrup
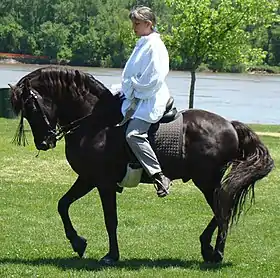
161, 192
133, 175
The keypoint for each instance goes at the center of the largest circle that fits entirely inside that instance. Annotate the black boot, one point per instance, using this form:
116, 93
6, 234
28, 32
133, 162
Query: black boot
162, 184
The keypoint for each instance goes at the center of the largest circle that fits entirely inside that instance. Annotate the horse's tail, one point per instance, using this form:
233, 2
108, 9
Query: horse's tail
252, 164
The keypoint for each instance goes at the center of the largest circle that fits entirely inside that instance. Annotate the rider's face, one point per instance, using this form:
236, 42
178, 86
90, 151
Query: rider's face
141, 27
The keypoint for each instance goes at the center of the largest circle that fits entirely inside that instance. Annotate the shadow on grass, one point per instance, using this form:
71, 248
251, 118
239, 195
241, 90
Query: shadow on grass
131, 264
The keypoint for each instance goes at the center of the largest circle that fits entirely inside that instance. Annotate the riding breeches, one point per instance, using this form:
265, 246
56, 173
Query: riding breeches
137, 139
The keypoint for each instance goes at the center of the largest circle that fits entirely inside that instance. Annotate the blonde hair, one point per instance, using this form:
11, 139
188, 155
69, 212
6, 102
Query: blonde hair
143, 13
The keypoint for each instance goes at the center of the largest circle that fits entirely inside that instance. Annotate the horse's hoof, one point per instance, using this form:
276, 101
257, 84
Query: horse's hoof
207, 254
212, 257
79, 245
108, 261
218, 257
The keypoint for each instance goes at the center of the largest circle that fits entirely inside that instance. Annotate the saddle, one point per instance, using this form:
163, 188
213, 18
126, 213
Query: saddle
170, 112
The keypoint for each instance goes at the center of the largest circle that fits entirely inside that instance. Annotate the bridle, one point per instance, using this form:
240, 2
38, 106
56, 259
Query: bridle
57, 133
34, 95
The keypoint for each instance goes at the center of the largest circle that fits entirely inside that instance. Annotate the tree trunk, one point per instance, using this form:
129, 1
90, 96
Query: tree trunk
191, 97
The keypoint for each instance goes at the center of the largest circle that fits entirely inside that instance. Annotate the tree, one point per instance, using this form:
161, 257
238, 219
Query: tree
203, 30
86, 47
274, 47
52, 39
115, 34
11, 34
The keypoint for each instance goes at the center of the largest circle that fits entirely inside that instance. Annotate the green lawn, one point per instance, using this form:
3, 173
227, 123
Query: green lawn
157, 237
265, 128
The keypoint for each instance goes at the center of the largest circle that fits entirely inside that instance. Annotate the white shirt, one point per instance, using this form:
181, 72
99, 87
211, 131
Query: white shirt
144, 78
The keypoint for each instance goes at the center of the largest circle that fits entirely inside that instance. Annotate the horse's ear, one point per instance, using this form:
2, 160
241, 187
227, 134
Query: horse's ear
27, 83
11, 86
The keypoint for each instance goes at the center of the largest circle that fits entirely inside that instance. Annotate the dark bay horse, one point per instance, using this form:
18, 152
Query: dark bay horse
55, 100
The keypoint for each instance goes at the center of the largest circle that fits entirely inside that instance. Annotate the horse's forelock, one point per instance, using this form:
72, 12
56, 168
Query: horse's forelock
17, 106
15, 98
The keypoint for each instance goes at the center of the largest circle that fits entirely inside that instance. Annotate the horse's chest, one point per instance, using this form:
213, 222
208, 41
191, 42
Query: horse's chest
90, 153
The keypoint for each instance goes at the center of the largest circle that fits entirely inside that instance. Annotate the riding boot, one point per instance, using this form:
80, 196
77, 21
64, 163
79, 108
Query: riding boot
162, 184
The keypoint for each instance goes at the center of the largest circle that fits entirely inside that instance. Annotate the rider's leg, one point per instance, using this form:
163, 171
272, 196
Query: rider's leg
137, 138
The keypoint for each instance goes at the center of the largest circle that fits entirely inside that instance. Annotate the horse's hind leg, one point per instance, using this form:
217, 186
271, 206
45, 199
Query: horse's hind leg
220, 241
205, 238
223, 217
79, 189
109, 204
208, 253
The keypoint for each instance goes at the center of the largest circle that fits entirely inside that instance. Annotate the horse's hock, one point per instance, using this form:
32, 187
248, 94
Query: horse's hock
5, 105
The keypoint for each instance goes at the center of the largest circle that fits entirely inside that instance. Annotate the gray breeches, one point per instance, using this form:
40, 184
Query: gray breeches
137, 139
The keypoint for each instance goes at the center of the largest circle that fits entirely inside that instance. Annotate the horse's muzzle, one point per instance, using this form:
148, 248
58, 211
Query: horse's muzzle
49, 142
44, 145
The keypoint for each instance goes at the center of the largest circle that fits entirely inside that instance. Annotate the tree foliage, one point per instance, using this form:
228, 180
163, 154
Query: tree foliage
97, 32
217, 32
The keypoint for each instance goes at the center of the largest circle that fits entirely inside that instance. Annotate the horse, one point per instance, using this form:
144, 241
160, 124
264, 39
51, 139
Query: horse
224, 159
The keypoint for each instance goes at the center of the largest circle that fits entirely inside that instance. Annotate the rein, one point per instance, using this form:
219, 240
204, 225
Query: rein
61, 131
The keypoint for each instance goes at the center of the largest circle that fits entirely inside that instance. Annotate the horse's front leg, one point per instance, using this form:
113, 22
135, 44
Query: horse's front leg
109, 204
79, 189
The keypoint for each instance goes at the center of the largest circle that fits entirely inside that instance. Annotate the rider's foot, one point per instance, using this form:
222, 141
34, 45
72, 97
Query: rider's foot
162, 184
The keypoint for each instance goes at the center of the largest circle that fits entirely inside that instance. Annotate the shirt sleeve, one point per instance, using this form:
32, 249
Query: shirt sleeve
147, 83
127, 88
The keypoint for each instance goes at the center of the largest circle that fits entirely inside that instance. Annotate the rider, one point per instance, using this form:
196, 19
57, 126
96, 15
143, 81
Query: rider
145, 90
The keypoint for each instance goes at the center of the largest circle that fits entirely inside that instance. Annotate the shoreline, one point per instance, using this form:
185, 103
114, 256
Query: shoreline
14, 62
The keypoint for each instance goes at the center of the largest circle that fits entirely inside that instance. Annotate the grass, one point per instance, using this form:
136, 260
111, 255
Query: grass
265, 128
157, 237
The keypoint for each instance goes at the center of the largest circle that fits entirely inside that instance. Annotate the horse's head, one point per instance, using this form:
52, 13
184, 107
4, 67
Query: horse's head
39, 111
52, 95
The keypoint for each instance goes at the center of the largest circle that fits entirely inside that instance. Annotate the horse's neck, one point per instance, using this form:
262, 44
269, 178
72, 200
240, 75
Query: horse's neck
72, 110
107, 111
104, 111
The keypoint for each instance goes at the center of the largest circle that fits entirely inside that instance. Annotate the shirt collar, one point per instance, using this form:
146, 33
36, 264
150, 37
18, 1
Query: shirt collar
144, 39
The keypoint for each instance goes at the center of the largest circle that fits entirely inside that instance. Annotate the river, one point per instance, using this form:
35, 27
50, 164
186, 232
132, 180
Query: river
249, 98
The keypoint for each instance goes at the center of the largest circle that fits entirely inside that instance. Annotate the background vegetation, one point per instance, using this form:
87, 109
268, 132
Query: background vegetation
98, 32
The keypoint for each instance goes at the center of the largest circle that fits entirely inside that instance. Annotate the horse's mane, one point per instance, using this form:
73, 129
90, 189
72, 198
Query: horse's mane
65, 80
59, 81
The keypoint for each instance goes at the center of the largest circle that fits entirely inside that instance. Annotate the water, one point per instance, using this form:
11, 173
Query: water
243, 97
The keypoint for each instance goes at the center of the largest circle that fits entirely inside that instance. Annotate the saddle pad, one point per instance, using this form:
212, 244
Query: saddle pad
167, 139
